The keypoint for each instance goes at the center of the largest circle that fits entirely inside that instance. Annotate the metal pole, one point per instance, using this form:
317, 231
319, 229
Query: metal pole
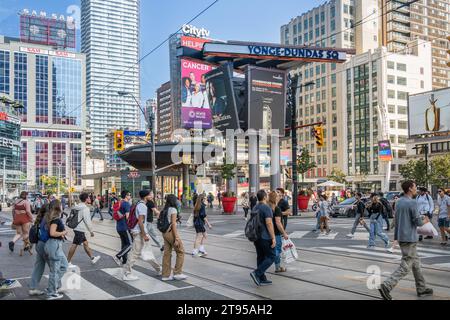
294, 85
152, 126
4, 181
59, 179
426, 165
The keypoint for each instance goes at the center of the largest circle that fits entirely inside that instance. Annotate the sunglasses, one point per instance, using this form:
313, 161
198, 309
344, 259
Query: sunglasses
440, 191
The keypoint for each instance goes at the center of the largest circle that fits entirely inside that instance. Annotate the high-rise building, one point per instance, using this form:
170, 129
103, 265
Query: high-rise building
110, 40
425, 19
328, 25
164, 114
50, 83
377, 85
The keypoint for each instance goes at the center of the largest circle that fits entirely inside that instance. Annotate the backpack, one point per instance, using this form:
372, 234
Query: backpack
72, 221
33, 235
387, 207
163, 224
254, 226
132, 220
116, 208
44, 234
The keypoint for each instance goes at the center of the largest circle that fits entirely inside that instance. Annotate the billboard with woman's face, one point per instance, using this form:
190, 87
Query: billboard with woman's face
195, 106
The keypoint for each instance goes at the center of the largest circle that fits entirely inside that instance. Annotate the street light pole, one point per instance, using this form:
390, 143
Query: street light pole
151, 126
293, 86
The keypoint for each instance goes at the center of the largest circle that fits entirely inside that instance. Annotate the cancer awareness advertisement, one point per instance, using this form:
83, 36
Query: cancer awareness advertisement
195, 108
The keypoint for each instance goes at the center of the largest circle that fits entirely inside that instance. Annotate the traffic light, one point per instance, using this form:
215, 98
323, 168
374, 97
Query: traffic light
119, 143
318, 134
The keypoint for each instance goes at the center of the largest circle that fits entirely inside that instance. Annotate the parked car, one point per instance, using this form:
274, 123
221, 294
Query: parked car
346, 208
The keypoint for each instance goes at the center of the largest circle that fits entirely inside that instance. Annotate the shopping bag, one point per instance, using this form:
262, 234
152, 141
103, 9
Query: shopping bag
147, 252
289, 252
190, 221
427, 230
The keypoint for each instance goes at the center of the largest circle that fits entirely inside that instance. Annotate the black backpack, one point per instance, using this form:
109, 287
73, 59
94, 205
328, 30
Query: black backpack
387, 207
72, 220
254, 226
163, 223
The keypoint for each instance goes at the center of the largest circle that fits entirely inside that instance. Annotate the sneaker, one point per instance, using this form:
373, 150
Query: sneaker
202, 253
11, 246
429, 237
180, 277
420, 238
9, 284
385, 292
265, 282
55, 296
167, 278
371, 247
390, 250
350, 235
95, 259
129, 277
427, 292
35, 292
255, 278
194, 253
71, 266
117, 261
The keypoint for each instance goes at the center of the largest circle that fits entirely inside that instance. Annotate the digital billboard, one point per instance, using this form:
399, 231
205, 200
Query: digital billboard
195, 106
222, 98
193, 43
429, 112
266, 99
385, 151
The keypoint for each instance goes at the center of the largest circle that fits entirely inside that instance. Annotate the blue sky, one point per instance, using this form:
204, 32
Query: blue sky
250, 20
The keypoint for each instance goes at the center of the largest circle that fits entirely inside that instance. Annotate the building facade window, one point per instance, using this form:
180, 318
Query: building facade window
24, 157
59, 159
402, 81
41, 161
391, 65
21, 82
41, 89
401, 67
402, 95
67, 92
4, 72
75, 153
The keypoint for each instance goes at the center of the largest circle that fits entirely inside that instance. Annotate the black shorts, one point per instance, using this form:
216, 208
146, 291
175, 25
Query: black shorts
79, 238
200, 228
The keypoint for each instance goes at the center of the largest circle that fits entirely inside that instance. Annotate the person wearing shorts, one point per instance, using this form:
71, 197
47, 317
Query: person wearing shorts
84, 223
443, 202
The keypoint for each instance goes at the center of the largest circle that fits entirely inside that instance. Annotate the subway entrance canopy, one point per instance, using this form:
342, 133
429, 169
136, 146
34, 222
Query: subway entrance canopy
265, 55
240, 55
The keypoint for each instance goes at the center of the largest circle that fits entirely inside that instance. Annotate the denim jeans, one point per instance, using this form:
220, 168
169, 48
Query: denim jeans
39, 265
317, 227
58, 264
97, 210
278, 251
356, 223
265, 256
376, 229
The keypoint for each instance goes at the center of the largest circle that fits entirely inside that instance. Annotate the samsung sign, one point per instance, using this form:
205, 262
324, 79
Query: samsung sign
274, 51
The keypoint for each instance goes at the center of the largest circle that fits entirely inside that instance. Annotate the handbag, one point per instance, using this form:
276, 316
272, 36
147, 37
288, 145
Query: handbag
427, 230
147, 252
190, 221
289, 252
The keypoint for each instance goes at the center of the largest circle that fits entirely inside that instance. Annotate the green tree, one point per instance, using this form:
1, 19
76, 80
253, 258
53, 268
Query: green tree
440, 170
337, 176
227, 172
50, 185
305, 163
415, 170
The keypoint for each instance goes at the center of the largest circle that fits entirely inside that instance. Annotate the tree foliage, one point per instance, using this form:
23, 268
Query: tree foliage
50, 185
305, 162
415, 170
440, 170
337, 175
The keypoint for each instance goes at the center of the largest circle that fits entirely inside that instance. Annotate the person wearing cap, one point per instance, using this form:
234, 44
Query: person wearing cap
140, 237
425, 205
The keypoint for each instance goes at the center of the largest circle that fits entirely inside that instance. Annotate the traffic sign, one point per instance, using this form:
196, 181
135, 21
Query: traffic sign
134, 175
134, 133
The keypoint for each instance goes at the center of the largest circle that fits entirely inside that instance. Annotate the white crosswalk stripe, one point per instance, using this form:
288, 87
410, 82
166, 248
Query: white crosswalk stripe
298, 234
234, 234
330, 236
145, 283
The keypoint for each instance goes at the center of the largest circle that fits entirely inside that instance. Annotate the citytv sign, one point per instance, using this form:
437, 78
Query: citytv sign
191, 30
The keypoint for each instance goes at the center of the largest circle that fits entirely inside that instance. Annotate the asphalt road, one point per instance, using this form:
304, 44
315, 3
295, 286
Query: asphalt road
328, 267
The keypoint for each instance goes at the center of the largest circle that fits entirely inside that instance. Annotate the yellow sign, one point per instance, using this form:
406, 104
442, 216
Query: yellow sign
72, 190
113, 189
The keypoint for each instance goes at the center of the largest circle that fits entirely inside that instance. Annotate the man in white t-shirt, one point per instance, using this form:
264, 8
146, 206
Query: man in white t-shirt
140, 237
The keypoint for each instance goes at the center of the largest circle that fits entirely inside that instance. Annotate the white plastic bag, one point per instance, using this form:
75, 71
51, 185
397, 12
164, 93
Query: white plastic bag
427, 230
289, 252
190, 221
147, 252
